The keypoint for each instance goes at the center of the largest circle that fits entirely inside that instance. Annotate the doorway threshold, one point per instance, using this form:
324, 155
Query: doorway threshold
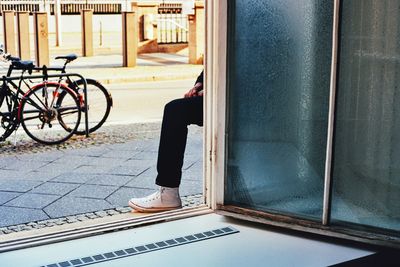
249, 245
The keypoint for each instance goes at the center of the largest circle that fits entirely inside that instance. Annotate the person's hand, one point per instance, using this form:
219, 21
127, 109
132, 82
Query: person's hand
191, 93
197, 90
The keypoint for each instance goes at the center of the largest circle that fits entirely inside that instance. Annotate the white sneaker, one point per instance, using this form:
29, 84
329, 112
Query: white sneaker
164, 199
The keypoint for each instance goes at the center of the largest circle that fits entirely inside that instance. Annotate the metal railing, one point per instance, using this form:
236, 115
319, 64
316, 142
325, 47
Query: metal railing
67, 6
172, 28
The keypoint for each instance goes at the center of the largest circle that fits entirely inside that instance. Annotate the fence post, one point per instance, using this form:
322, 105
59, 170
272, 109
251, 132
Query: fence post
196, 34
57, 15
41, 35
9, 32
87, 32
24, 48
148, 28
142, 9
129, 39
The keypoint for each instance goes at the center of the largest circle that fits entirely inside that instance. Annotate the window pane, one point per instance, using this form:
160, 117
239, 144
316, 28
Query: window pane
366, 171
279, 70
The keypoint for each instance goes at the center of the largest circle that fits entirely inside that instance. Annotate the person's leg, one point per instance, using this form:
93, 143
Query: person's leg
178, 114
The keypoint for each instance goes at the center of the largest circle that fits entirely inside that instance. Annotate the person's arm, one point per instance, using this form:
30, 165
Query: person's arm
200, 78
197, 89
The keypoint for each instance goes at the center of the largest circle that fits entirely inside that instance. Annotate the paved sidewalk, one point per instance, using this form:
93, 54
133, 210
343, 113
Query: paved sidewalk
88, 178
96, 179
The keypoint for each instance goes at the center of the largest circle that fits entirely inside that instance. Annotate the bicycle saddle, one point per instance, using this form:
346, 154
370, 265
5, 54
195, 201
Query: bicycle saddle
11, 58
23, 65
69, 57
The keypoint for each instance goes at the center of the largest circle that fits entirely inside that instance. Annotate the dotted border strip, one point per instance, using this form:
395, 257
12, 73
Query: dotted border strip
187, 201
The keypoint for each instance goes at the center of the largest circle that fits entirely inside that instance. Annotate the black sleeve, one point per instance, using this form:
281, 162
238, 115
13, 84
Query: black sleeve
200, 78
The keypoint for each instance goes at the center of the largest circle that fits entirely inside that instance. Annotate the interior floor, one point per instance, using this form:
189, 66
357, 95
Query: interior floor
249, 245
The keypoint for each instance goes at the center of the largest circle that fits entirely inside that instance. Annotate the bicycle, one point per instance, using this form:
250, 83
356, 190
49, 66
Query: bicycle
100, 98
43, 117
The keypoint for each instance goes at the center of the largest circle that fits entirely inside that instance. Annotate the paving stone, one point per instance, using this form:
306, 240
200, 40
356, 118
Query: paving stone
194, 200
42, 157
26, 166
90, 152
79, 178
140, 162
55, 188
25, 228
106, 162
19, 185
74, 205
121, 196
188, 187
93, 191
11, 175
13, 215
5, 161
92, 216
82, 218
73, 161
120, 154
7, 196
187, 164
128, 170
101, 213
60, 222
137, 145
92, 169
149, 155
123, 209
143, 181
112, 212
34, 201
54, 169
38, 175
109, 179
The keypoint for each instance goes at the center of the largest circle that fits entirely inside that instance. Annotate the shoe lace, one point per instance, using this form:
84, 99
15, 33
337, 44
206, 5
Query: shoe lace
156, 195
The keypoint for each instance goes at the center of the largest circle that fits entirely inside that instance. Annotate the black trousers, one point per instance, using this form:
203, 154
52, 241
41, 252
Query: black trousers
178, 114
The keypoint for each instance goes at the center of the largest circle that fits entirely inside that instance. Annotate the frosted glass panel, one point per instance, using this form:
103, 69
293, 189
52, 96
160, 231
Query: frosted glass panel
279, 69
366, 171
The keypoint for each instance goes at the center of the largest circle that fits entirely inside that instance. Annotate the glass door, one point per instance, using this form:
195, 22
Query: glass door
366, 165
279, 59
311, 116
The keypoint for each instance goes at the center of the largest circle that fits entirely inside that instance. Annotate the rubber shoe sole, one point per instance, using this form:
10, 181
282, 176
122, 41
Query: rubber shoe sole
152, 209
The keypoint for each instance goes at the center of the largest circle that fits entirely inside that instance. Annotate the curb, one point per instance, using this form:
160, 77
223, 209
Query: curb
150, 78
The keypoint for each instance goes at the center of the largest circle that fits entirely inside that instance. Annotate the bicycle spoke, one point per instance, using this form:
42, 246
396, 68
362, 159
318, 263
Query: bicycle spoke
100, 102
58, 121
31, 102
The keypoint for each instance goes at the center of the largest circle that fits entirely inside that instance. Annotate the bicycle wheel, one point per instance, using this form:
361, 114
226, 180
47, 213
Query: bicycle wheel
8, 108
45, 119
100, 103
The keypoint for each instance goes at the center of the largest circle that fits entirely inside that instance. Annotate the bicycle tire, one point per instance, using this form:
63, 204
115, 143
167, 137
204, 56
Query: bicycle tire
40, 111
100, 103
8, 113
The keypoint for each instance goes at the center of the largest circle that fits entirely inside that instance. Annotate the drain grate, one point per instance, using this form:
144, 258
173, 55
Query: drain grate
145, 248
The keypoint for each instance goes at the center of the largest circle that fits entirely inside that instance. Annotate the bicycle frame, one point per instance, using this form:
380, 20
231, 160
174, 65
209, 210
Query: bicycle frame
45, 77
